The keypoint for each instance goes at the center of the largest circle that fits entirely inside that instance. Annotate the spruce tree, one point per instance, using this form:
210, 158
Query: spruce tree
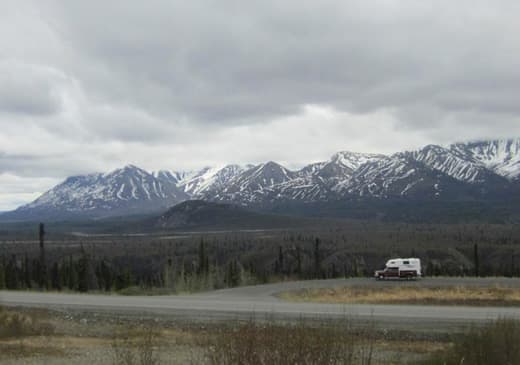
298, 262
317, 258
280, 260
2, 274
106, 275
72, 275
203, 264
477, 260
55, 277
12, 274
27, 272
82, 269
42, 267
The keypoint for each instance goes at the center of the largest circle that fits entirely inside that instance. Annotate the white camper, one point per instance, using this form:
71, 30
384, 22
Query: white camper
409, 268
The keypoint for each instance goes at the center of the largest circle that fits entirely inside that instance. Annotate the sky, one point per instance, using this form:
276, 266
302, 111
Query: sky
89, 86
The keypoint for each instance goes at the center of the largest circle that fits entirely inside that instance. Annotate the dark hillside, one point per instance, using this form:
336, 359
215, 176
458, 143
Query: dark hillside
198, 214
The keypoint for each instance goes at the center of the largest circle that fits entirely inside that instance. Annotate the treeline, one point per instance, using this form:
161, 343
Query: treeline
87, 273
191, 262
82, 274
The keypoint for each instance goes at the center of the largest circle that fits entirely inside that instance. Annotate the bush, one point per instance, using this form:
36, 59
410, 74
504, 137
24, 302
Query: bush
495, 343
14, 325
138, 346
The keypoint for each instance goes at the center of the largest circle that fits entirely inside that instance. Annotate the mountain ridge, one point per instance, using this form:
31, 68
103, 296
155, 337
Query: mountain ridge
472, 171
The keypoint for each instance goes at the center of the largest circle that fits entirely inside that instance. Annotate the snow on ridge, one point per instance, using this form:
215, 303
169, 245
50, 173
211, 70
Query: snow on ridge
343, 174
501, 156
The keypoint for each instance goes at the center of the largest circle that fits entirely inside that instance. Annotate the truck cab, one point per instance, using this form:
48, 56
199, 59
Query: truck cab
409, 268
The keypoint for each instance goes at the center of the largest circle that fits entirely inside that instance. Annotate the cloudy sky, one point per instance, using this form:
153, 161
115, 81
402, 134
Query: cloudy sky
93, 85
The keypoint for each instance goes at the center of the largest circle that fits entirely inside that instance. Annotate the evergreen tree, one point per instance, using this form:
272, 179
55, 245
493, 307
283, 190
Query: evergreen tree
203, 264
72, 275
169, 274
233, 274
63, 273
280, 260
27, 272
106, 275
476, 259
56, 282
124, 279
42, 275
317, 258
2, 273
35, 271
82, 269
12, 274
298, 262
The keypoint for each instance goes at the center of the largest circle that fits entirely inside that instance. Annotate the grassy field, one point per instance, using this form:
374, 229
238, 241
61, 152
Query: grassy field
471, 296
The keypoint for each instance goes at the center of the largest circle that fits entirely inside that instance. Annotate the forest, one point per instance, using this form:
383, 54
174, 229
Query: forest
174, 262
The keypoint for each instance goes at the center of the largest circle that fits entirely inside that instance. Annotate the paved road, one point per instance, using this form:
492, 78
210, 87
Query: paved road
260, 301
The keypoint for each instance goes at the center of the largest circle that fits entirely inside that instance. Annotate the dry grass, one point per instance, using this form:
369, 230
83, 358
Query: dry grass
495, 343
271, 343
138, 345
154, 342
14, 324
20, 332
472, 296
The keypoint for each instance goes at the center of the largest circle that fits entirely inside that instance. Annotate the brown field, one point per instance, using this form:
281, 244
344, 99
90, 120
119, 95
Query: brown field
471, 296
35, 337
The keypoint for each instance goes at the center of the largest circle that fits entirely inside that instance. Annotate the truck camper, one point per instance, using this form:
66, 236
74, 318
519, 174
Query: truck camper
400, 269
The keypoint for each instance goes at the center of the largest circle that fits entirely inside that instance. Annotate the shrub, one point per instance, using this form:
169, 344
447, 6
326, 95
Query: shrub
255, 343
16, 324
138, 346
495, 343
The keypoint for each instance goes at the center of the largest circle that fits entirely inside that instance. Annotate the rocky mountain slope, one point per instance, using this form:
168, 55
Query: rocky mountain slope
474, 171
129, 190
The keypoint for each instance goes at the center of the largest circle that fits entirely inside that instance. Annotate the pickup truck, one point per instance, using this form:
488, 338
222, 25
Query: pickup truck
400, 269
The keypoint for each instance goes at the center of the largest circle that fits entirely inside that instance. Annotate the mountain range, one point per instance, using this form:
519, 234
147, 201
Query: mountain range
484, 171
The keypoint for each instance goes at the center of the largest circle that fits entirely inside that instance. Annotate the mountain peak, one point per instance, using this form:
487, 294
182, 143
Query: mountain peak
474, 170
271, 165
126, 190
501, 156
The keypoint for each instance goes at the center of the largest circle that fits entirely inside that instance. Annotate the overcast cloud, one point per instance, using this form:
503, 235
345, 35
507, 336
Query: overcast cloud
93, 85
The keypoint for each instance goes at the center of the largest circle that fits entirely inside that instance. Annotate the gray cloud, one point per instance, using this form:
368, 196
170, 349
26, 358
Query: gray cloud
92, 85
229, 63
29, 89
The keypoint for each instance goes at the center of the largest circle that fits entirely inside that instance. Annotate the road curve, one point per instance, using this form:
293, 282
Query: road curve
260, 301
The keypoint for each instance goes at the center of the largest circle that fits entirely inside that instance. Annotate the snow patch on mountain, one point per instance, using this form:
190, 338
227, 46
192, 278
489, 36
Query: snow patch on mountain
126, 188
464, 170
499, 156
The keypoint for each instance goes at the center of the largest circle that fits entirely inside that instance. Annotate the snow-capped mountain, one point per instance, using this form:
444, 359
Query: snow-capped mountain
317, 181
345, 163
433, 172
251, 186
500, 156
210, 179
173, 177
128, 190
476, 171
446, 161
397, 176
